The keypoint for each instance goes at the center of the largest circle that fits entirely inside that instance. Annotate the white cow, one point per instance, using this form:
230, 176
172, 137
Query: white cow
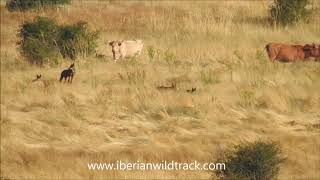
123, 49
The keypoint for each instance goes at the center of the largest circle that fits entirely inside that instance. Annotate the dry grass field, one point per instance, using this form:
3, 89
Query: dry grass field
113, 111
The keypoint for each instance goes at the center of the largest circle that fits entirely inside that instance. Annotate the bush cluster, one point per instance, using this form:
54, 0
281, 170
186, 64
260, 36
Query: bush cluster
253, 161
290, 11
43, 40
22, 5
38, 40
76, 40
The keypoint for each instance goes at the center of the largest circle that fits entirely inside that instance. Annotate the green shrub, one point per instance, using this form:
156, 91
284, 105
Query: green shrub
22, 5
289, 11
43, 40
136, 76
39, 52
151, 52
170, 57
253, 161
38, 40
76, 40
42, 28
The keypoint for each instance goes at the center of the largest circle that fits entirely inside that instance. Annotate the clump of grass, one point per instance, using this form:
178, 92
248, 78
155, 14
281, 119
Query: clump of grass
151, 53
132, 61
134, 76
257, 82
260, 55
246, 98
300, 104
49, 85
177, 110
170, 58
209, 77
22, 87
104, 96
142, 101
230, 66
70, 100
256, 160
238, 54
22, 5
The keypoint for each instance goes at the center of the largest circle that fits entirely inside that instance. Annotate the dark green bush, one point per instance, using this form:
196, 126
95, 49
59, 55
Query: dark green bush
76, 40
43, 40
39, 52
253, 161
22, 5
38, 42
290, 11
42, 28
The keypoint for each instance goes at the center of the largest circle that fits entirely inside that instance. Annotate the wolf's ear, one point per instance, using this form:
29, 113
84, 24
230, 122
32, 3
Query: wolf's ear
110, 43
72, 65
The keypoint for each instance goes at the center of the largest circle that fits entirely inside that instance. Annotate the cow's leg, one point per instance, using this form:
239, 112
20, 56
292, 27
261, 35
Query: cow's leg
139, 52
272, 57
122, 55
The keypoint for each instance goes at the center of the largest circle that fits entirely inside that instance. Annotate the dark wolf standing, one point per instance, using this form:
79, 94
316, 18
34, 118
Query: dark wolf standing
68, 74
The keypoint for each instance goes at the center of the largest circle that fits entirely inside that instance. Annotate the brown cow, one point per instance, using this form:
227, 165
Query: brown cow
314, 49
289, 53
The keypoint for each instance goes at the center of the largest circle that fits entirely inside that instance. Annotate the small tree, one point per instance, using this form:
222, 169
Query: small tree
43, 40
289, 11
38, 40
252, 161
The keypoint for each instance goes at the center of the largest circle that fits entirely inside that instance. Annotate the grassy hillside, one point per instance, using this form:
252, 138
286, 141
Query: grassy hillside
113, 111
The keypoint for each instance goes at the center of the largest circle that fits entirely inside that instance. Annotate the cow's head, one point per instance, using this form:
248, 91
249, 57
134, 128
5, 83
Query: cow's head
115, 47
312, 50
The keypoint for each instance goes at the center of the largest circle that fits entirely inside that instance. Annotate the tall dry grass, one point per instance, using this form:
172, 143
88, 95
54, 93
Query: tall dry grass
113, 111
